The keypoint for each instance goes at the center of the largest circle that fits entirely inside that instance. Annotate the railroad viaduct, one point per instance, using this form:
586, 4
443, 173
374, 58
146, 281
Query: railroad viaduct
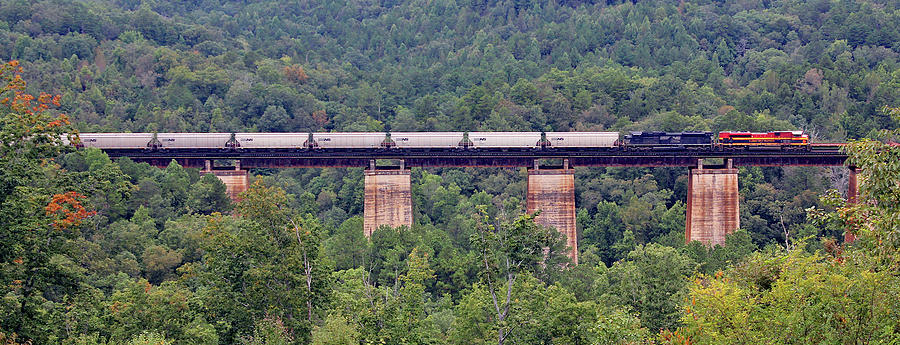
712, 198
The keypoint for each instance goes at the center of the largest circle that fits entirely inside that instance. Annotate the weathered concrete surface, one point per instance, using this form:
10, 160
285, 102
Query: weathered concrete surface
236, 181
552, 191
712, 205
388, 199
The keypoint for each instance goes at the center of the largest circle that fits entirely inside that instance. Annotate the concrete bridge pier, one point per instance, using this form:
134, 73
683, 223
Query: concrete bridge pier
552, 191
236, 180
712, 203
388, 198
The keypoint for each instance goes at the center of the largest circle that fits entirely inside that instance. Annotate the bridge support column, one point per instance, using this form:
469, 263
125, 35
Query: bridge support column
236, 181
712, 204
388, 199
552, 191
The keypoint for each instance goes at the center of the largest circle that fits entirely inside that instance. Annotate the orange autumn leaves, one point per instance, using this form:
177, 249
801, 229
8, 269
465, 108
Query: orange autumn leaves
21, 101
66, 210
26, 103
13, 95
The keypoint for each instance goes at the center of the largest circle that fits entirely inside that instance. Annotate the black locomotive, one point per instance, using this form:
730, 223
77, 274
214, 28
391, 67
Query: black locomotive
668, 140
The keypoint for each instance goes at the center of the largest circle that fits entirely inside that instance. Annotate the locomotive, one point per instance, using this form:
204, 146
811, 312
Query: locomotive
666, 140
746, 139
784, 140
427, 141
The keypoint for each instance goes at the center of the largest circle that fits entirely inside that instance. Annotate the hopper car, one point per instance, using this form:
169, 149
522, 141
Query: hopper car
505, 140
564, 140
117, 140
192, 140
426, 140
353, 141
270, 140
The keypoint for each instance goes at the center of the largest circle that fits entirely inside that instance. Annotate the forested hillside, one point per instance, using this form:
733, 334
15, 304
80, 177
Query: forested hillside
95, 251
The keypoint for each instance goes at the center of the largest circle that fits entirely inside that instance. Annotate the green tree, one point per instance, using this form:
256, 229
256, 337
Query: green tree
168, 309
174, 185
348, 245
160, 262
149, 338
738, 245
93, 173
604, 231
543, 315
265, 262
652, 280
524, 92
208, 195
269, 331
410, 325
336, 331
792, 297
274, 119
38, 215
507, 251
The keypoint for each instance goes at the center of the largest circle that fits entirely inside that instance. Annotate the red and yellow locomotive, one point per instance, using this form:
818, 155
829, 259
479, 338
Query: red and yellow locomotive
778, 139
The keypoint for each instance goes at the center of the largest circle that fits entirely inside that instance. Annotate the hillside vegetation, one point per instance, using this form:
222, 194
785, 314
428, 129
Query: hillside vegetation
96, 251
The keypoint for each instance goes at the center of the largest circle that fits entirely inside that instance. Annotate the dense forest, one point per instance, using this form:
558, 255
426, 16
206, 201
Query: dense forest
101, 251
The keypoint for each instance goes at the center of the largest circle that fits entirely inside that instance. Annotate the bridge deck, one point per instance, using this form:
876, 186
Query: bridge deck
822, 155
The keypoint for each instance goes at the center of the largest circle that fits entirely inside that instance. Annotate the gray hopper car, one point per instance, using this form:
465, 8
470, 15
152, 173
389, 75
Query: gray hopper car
505, 139
193, 140
435, 140
271, 140
116, 140
581, 139
349, 140
357, 140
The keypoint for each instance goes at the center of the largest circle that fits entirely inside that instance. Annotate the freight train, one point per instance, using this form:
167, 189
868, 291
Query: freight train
433, 141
